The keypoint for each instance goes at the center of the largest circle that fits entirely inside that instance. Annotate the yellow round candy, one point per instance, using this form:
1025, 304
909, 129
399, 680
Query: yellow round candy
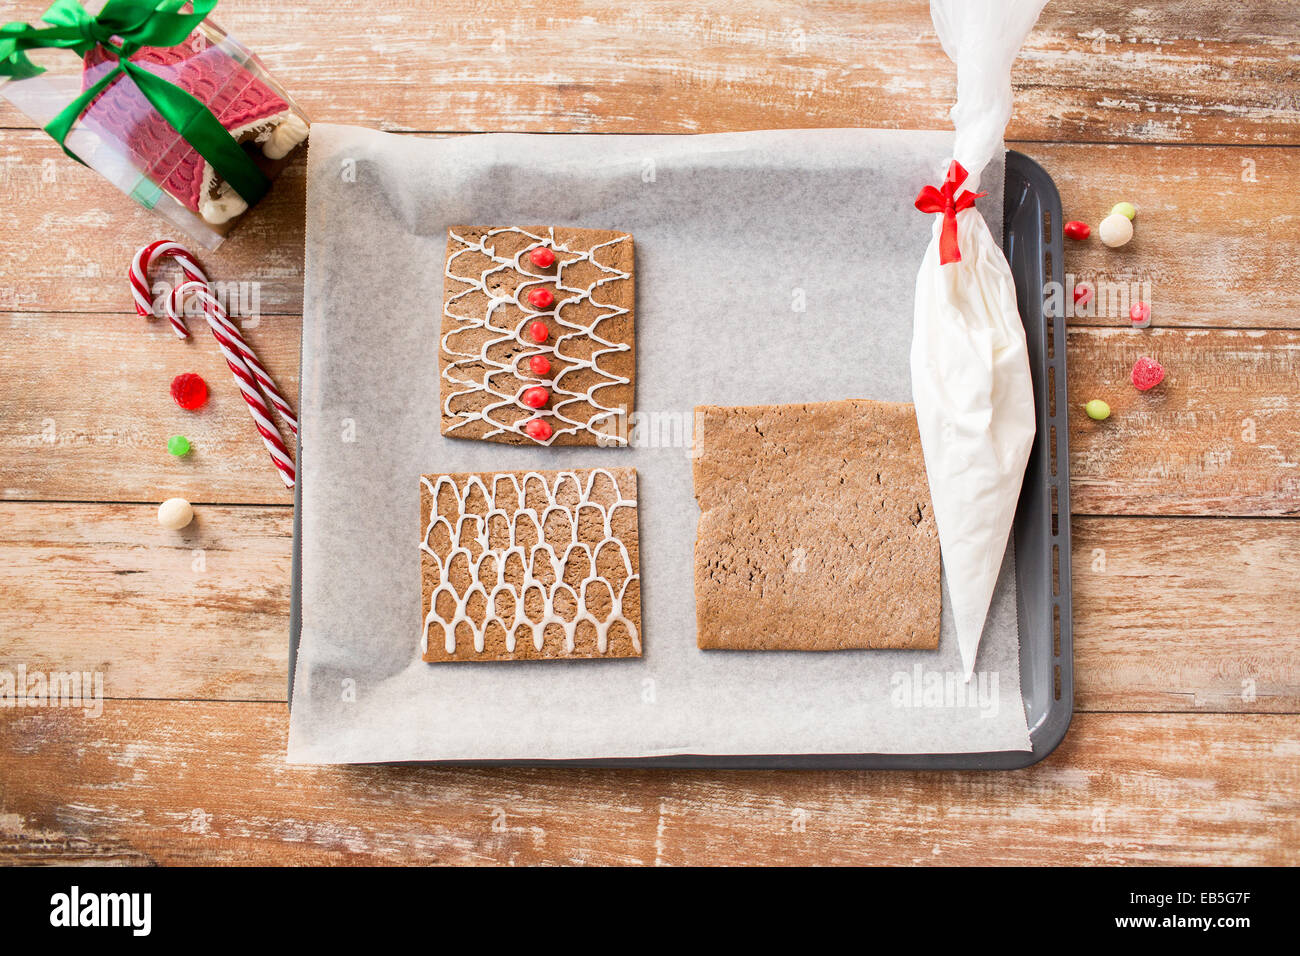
1097, 410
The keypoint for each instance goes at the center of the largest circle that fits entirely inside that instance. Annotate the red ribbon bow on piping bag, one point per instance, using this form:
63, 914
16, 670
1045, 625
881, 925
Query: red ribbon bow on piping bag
946, 201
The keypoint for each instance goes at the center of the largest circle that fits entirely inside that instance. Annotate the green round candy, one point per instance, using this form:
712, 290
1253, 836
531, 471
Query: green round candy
1125, 209
1097, 409
178, 445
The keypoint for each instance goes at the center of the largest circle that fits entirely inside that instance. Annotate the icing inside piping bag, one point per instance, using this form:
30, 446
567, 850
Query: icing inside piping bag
970, 365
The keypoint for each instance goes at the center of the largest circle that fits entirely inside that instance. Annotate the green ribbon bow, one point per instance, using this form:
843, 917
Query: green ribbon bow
122, 28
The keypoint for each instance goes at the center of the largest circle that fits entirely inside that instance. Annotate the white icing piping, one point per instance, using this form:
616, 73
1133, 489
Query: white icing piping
530, 582
471, 322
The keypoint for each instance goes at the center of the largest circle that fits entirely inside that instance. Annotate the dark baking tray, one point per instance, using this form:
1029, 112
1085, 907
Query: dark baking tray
1032, 241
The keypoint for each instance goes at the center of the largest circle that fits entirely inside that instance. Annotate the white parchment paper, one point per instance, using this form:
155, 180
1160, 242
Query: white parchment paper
770, 267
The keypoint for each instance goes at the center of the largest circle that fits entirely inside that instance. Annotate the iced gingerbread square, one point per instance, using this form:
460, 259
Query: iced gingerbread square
530, 565
537, 340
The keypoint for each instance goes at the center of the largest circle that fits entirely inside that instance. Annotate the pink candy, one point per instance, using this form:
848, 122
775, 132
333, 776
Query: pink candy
1147, 374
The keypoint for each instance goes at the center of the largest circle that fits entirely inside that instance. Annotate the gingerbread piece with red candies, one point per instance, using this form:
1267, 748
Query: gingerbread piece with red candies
537, 338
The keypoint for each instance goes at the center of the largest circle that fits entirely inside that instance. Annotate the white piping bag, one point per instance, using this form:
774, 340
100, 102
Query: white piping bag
970, 367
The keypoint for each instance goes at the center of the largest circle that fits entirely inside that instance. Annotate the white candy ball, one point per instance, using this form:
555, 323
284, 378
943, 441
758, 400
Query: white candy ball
1115, 230
175, 513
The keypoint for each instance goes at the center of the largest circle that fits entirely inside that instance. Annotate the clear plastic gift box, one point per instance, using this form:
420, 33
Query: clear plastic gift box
126, 140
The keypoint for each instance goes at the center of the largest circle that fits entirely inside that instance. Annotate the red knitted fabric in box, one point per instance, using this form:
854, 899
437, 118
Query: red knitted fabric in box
121, 113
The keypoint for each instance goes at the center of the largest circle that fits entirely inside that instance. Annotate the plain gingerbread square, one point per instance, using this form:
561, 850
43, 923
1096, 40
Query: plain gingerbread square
485, 346
816, 531
530, 565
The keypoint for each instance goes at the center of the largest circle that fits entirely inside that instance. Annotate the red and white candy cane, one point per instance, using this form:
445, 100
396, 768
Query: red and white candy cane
140, 290
249, 373
139, 276
229, 335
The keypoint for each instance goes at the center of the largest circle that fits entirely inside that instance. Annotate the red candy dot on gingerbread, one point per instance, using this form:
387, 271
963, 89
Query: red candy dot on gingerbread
542, 257
536, 396
541, 298
538, 332
540, 365
189, 391
538, 430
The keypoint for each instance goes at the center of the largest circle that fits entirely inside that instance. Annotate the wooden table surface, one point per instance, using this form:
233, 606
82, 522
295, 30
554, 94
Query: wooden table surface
1185, 747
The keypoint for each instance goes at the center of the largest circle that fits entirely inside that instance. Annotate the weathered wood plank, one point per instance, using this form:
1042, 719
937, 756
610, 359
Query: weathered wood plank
180, 782
1214, 242
1121, 789
1210, 249
1221, 434
1170, 614
85, 414
69, 236
85, 409
1172, 71
1179, 614
199, 613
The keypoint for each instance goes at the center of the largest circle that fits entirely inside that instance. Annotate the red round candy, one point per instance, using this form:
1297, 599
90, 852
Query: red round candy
1082, 293
1140, 312
538, 430
538, 332
189, 391
1077, 230
541, 298
536, 396
542, 257
1147, 374
540, 364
